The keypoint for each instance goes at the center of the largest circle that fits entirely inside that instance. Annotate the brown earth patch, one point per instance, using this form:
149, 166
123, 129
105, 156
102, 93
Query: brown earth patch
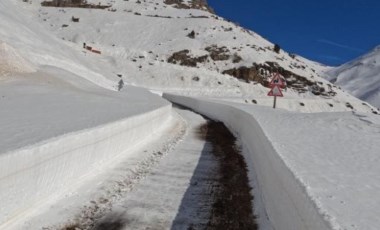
232, 204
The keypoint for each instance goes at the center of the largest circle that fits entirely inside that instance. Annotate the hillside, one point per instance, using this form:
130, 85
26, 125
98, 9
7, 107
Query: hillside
181, 47
361, 77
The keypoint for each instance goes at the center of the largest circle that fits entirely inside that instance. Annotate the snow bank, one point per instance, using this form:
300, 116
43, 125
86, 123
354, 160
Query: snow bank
286, 201
39, 173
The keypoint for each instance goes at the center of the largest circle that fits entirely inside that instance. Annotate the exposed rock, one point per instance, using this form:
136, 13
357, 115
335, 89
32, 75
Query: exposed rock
261, 73
73, 3
194, 4
236, 58
183, 58
196, 78
218, 53
191, 34
246, 73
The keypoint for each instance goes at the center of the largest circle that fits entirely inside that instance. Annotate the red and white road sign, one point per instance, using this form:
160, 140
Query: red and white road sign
275, 92
277, 81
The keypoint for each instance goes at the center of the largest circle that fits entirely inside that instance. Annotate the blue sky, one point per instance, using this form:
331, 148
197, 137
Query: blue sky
328, 31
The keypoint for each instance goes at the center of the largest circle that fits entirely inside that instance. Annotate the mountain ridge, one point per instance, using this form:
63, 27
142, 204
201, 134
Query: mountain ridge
360, 76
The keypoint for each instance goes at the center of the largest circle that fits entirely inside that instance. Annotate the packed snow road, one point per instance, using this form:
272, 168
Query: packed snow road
198, 183
202, 184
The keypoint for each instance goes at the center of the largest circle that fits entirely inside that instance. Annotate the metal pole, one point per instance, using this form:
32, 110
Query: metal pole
274, 102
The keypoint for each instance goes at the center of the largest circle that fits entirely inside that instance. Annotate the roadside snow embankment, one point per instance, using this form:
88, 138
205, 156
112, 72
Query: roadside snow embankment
285, 200
313, 170
32, 176
58, 130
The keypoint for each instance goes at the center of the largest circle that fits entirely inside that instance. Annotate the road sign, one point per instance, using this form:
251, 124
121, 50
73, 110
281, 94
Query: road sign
275, 92
277, 80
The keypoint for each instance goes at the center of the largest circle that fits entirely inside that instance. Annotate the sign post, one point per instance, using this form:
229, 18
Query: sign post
276, 85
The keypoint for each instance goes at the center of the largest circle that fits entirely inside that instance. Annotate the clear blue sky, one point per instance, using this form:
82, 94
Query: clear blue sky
328, 31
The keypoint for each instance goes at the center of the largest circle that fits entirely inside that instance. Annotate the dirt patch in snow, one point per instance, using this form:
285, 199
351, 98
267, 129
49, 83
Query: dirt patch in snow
232, 204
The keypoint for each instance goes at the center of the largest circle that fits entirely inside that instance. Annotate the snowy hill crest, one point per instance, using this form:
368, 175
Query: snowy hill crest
361, 77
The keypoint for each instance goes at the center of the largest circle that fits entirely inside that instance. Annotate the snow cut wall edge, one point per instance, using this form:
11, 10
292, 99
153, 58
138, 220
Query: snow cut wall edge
285, 200
37, 174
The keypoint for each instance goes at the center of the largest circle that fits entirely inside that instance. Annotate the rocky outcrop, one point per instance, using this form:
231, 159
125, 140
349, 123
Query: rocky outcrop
194, 4
183, 58
261, 73
218, 53
73, 3
247, 74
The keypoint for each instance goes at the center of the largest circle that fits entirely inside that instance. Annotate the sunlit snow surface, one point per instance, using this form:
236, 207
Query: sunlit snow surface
56, 97
361, 77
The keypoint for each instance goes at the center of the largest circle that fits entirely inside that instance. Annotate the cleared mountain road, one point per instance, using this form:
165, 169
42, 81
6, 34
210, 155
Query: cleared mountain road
201, 184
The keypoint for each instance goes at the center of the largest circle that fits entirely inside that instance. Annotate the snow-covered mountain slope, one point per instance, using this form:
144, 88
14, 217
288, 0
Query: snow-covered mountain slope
176, 46
12, 62
361, 77
39, 47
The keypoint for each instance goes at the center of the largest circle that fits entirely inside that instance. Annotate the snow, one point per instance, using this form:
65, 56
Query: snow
63, 119
138, 51
313, 170
12, 62
361, 77
62, 132
62, 104
96, 194
40, 48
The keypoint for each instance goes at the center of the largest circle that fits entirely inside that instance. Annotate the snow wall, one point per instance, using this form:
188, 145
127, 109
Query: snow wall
36, 174
285, 200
